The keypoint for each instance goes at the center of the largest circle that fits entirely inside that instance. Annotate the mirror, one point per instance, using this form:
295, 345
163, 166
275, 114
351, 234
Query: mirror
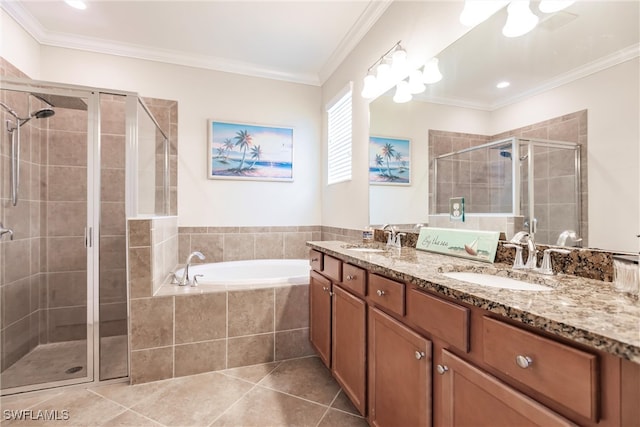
574, 60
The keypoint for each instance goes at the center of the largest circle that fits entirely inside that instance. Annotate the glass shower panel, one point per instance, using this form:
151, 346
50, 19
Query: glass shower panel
556, 191
43, 269
153, 163
113, 274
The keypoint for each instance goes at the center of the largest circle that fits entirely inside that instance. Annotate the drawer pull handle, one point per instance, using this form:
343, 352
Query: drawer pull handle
324, 288
314, 260
442, 369
419, 354
380, 292
524, 361
350, 277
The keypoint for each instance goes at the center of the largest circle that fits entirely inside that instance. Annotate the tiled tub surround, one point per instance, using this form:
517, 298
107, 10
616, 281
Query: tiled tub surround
178, 335
583, 310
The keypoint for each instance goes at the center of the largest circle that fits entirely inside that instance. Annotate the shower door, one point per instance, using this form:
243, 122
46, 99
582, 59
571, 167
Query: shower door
48, 266
551, 179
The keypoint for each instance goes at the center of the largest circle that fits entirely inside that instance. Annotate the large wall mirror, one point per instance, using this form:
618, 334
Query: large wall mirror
579, 65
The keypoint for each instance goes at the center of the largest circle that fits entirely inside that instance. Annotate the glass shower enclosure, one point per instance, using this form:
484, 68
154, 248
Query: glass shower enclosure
70, 178
534, 179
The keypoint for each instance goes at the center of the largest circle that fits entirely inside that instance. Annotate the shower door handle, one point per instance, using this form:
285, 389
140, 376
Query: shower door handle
88, 239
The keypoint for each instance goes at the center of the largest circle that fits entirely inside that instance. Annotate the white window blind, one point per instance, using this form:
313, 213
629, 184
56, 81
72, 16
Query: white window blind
339, 133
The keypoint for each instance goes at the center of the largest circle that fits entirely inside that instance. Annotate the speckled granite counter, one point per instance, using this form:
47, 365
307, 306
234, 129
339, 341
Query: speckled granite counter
587, 311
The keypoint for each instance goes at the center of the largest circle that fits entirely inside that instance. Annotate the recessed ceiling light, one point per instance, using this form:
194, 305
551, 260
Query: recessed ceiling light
76, 4
502, 85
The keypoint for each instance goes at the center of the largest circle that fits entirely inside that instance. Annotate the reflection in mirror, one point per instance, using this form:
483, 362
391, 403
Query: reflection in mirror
573, 65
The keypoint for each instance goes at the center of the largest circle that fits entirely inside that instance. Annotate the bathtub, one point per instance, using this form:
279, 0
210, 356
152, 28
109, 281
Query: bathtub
251, 274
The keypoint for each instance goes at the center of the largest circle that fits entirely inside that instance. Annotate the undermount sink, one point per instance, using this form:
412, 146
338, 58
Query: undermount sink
493, 281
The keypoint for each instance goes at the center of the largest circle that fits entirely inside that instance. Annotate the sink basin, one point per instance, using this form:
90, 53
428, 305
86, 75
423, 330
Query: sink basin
492, 281
366, 249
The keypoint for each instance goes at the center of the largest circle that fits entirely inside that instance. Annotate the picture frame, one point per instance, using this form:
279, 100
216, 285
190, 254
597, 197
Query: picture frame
389, 161
245, 151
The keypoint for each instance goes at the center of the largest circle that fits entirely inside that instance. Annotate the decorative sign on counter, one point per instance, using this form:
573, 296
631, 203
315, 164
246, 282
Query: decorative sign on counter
471, 244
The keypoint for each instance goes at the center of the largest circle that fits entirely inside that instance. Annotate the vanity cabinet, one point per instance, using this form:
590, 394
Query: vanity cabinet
471, 397
338, 323
399, 373
349, 345
320, 291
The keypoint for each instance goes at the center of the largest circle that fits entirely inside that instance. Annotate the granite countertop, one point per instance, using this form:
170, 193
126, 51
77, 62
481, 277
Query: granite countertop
587, 311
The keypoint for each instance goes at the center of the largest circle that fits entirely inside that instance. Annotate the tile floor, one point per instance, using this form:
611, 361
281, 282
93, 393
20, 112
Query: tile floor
298, 392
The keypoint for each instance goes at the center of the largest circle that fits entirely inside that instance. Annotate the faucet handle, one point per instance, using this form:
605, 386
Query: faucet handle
546, 267
195, 280
518, 263
4, 231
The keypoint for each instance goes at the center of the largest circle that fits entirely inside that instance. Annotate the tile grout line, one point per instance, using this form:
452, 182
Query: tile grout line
328, 407
130, 408
232, 405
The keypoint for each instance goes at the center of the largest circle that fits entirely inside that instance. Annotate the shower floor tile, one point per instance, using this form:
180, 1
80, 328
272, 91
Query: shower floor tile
261, 395
50, 362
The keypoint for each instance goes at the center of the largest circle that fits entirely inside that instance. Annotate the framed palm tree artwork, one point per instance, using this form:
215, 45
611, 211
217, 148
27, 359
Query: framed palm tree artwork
389, 161
250, 152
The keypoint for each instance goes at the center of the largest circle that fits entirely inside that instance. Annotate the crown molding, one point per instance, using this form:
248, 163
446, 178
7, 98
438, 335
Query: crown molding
62, 40
366, 20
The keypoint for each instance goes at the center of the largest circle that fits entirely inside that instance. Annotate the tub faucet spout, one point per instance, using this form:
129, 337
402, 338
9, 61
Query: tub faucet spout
185, 277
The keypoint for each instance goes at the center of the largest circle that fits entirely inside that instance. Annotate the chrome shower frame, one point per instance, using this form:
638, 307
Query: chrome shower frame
92, 233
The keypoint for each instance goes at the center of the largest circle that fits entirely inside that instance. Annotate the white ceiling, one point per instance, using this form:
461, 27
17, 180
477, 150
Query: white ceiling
301, 41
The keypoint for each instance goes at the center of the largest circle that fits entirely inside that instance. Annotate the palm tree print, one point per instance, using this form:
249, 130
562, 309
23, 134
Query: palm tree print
388, 152
379, 163
256, 153
243, 140
228, 146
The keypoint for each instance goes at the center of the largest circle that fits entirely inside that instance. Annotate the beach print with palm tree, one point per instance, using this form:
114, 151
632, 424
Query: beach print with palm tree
389, 160
251, 151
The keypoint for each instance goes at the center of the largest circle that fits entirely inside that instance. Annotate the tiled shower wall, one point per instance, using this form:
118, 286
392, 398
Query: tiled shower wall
23, 258
486, 182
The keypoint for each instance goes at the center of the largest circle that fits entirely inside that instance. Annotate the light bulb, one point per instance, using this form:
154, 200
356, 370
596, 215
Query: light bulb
403, 94
431, 73
76, 4
370, 87
520, 19
552, 6
477, 11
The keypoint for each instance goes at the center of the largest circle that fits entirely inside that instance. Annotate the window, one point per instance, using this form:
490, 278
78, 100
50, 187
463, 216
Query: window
339, 135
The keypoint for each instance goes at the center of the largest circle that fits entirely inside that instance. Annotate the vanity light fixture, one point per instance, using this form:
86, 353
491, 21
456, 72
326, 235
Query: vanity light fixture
76, 4
403, 92
520, 19
477, 11
416, 84
388, 69
503, 85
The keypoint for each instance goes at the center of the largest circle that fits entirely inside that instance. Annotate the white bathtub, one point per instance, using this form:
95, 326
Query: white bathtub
260, 273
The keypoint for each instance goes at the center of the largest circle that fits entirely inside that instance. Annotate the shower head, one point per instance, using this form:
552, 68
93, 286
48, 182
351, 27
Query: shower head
43, 113
507, 154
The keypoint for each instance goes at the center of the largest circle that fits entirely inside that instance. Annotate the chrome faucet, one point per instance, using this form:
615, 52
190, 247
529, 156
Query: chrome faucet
546, 267
391, 234
571, 236
185, 277
4, 231
523, 237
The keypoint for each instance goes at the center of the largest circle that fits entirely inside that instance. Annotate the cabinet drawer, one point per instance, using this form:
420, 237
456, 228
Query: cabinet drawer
386, 293
560, 372
354, 279
315, 260
441, 318
332, 268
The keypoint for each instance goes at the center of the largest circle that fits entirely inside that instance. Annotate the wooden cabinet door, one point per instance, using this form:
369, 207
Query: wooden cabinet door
399, 374
349, 345
471, 397
320, 316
